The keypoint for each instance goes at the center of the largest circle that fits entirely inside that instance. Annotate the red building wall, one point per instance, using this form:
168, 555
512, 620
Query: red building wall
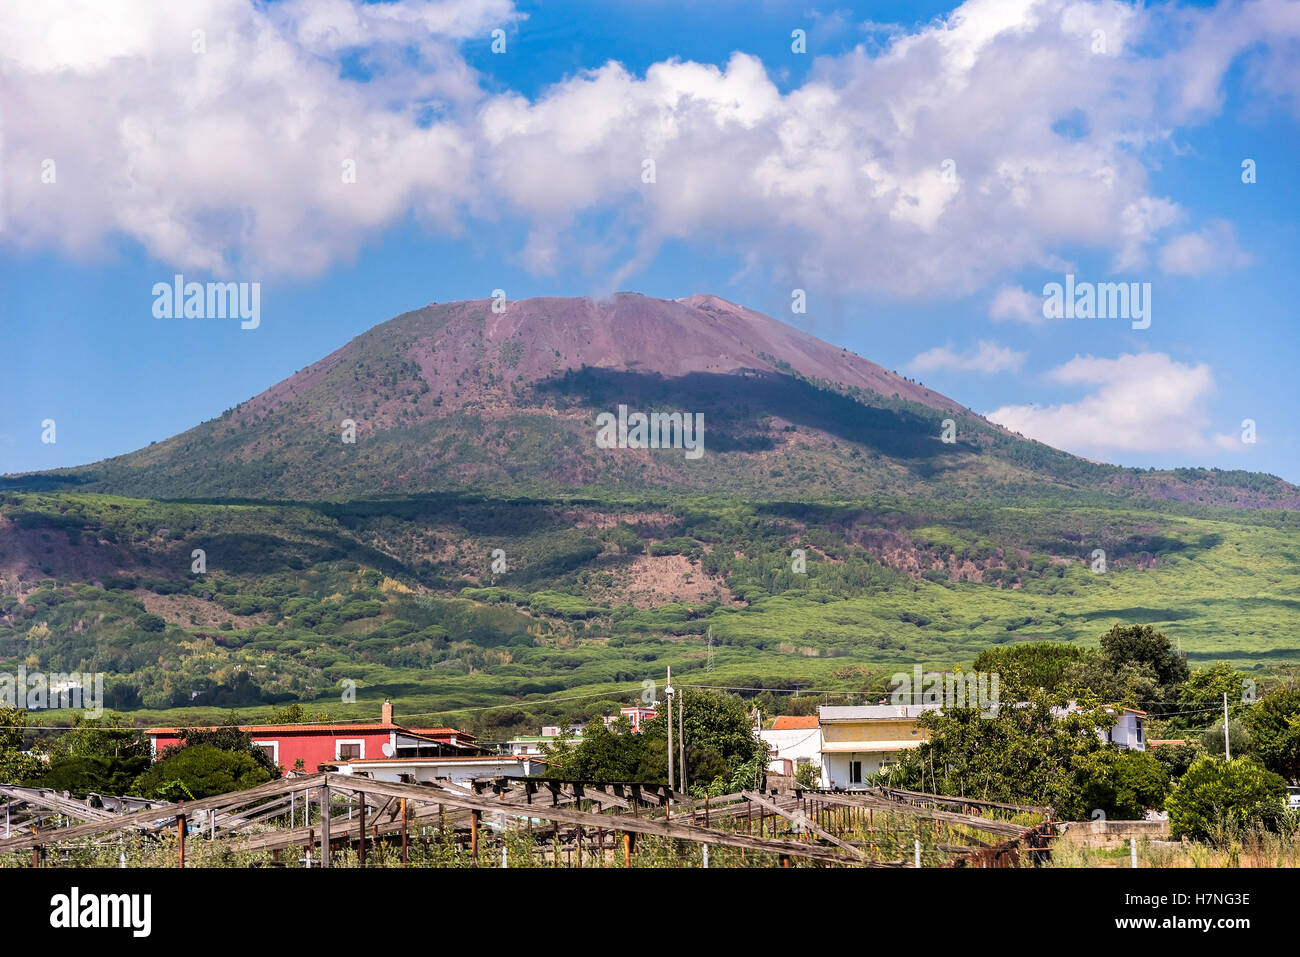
313, 747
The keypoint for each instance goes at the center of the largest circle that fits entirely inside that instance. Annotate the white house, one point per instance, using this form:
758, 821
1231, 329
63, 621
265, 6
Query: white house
456, 769
858, 741
792, 741
1129, 731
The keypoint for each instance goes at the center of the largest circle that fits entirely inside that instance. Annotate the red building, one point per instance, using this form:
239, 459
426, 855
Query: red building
317, 744
638, 716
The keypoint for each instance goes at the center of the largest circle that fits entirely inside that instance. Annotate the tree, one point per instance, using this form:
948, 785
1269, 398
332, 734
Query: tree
1123, 784
808, 775
1239, 738
1205, 688
1135, 664
151, 623
16, 765
227, 737
106, 737
1238, 793
84, 774
720, 736
1274, 723
296, 714
609, 754
1023, 755
1177, 758
103, 755
1128, 682
200, 770
719, 742
1028, 665
1143, 645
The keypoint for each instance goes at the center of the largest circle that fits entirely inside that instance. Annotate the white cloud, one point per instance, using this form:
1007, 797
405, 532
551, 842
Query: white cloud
1212, 249
234, 155
987, 358
1144, 402
1014, 304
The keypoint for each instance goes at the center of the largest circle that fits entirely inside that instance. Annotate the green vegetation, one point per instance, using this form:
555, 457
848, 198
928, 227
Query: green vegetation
1213, 794
600, 593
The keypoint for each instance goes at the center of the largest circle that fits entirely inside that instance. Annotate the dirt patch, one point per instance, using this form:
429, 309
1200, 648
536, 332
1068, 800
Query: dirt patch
650, 580
177, 609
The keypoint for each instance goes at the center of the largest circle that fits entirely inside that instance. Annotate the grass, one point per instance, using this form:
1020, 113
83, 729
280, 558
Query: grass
397, 596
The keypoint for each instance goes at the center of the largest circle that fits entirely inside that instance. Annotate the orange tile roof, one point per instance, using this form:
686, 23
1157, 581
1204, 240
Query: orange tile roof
794, 722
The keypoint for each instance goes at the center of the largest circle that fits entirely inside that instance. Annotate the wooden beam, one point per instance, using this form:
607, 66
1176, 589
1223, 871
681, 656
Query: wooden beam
325, 824
671, 829
803, 822
148, 818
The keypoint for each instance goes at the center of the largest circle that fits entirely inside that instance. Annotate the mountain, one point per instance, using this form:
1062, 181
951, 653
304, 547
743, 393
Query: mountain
826, 538
460, 396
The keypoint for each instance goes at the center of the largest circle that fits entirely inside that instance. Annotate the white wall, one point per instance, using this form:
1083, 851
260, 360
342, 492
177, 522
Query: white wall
798, 745
835, 767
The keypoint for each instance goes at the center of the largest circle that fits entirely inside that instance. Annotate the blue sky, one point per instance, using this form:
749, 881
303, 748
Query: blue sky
921, 171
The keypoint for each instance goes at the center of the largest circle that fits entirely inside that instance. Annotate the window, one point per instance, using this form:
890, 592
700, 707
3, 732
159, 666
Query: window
349, 750
855, 772
270, 748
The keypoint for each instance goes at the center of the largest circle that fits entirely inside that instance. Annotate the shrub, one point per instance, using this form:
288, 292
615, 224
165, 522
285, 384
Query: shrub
1238, 792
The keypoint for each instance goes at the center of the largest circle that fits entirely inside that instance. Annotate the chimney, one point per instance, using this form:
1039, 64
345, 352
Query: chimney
386, 712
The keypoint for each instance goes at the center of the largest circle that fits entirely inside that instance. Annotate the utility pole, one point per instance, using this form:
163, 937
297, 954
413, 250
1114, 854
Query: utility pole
668, 693
681, 741
1227, 748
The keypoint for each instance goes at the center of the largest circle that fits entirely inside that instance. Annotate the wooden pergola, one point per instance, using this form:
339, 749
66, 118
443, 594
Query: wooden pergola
327, 811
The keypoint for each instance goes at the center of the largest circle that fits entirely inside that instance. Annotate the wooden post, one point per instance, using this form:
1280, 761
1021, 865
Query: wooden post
629, 845
361, 831
36, 856
325, 825
785, 860
474, 817
180, 840
403, 832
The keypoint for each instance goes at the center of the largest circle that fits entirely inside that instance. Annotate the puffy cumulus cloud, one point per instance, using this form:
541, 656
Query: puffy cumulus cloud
1212, 249
228, 145
1144, 402
887, 169
987, 358
1014, 304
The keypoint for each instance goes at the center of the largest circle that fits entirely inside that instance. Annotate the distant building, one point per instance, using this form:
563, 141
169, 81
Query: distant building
457, 769
532, 745
317, 745
858, 741
635, 716
1128, 731
792, 741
